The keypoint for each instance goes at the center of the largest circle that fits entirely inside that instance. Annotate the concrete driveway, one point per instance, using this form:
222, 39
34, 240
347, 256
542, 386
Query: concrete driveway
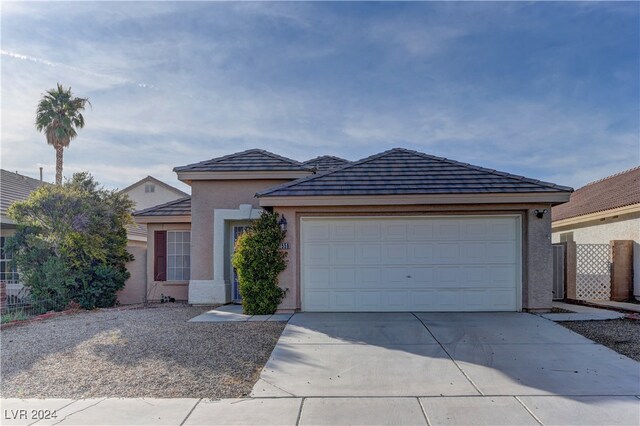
374, 369
491, 368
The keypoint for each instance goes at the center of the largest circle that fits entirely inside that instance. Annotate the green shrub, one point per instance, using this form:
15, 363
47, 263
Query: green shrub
70, 243
258, 261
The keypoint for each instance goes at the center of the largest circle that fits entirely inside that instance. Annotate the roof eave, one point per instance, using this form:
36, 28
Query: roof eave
164, 219
187, 176
603, 214
552, 198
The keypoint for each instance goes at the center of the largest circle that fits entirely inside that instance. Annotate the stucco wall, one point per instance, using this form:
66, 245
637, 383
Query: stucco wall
536, 240
207, 196
135, 287
626, 227
144, 200
177, 289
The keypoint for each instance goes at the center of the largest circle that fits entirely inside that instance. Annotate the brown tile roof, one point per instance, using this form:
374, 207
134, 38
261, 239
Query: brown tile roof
181, 207
250, 160
619, 190
402, 171
15, 187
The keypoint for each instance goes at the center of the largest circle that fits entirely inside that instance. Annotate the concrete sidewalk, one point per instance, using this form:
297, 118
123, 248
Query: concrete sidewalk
233, 313
581, 313
487, 410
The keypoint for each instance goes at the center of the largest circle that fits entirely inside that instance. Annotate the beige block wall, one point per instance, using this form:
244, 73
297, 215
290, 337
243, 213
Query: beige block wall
624, 227
207, 196
176, 289
537, 280
135, 288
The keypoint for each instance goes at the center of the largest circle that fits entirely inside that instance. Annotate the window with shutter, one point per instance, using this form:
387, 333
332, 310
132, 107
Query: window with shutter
160, 256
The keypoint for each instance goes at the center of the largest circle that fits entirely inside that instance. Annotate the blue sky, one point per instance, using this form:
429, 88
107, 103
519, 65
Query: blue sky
546, 90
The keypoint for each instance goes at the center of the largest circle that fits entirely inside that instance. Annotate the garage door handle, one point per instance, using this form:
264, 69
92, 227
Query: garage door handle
408, 276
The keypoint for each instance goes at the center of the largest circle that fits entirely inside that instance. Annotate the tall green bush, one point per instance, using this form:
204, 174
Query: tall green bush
259, 260
70, 243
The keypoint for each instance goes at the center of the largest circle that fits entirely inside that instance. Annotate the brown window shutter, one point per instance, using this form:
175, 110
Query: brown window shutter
160, 256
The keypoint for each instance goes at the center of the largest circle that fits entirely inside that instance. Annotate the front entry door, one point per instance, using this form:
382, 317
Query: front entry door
235, 286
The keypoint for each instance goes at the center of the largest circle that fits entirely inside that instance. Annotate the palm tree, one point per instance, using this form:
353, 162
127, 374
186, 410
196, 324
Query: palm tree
59, 115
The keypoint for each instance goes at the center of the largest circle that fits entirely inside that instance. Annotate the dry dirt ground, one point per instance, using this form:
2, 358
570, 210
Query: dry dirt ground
621, 335
145, 352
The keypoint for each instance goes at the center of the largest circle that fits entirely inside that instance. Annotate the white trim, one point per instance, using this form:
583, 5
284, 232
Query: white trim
384, 200
163, 219
519, 243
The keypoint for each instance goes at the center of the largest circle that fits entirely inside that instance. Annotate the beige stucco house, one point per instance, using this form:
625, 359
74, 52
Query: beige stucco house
602, 211
397, 231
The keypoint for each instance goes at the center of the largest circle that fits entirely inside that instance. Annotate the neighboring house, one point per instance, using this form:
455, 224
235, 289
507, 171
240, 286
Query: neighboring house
144, 193
397, 231
605, 210
149, 192
13, 187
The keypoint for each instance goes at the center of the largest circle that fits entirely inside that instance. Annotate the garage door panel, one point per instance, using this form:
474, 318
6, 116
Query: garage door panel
396, 300
421, 276
317, 300
318, 277
447, 230
395, 253
503, 230
370, 300
447, 253
368, 231
422, 300
343, 278
420, 231
421, 264
343, 231
501, 252
370, 277
317, 254
394, 276
343, 254
501, 275
420, 253
344, 300
448, 276
369, 254
394, 231
317, 231
503, 299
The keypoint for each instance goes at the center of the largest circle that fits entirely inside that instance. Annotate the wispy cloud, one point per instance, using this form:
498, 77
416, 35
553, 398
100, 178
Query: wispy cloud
546, 90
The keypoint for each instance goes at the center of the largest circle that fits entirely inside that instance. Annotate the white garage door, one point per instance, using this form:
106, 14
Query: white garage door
460, 263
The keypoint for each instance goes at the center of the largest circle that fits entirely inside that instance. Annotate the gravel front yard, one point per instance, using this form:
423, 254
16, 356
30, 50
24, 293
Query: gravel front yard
621, 335
145, 352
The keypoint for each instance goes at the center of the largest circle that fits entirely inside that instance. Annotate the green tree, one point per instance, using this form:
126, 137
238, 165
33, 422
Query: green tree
259, 260
70, 242
59, 115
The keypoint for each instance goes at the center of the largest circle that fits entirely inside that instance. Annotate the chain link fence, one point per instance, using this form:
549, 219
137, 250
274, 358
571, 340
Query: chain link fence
17, 303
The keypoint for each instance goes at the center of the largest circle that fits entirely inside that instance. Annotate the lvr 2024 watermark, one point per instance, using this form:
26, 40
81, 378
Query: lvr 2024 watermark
29, 414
